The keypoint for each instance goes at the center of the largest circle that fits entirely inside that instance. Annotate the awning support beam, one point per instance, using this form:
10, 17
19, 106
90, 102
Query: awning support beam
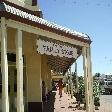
88, 79
4, 66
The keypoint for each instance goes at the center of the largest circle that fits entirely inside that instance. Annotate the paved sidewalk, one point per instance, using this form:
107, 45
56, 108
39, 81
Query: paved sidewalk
65, 103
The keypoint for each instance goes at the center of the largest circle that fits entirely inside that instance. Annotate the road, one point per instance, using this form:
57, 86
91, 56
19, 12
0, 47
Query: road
106, 103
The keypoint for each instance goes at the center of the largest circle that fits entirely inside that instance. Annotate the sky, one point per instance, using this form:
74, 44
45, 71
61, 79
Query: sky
93, 17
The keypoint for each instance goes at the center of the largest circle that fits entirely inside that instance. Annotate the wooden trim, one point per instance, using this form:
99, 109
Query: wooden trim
38, 32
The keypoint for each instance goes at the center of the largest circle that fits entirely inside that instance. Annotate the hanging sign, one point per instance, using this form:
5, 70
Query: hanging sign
50, 48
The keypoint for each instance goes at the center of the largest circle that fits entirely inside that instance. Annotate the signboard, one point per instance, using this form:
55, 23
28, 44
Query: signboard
50, 48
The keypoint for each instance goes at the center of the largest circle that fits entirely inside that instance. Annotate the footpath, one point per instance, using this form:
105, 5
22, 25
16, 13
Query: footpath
65, 103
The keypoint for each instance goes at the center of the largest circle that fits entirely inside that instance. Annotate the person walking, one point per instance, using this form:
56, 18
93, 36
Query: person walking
60, 85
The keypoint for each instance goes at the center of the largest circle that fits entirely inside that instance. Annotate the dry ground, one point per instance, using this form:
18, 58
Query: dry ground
66, 104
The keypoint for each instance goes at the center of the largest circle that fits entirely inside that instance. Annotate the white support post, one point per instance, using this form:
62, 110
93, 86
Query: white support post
19, 66
71, 83
68, 83
77, 86
88, 79
4, 67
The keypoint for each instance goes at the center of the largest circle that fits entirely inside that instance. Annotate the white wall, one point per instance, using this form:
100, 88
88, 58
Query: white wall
26, 4
26, 1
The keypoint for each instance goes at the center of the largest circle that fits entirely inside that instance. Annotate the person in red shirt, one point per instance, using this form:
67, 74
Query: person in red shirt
60, 85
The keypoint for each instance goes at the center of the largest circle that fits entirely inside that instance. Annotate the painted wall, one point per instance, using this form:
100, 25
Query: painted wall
26, 4
11, 40
26, 1
29, 2
33, 63
46, 73
49, 79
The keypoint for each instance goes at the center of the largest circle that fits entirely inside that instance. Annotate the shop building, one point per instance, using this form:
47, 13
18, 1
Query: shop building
30, 48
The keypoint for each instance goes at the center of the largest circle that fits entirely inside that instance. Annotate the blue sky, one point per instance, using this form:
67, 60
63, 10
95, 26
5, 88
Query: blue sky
91, 17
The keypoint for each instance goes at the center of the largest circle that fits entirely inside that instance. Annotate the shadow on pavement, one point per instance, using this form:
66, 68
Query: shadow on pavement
48, 106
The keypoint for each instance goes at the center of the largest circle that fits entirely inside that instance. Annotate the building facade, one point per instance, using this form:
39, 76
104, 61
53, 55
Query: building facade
30, 48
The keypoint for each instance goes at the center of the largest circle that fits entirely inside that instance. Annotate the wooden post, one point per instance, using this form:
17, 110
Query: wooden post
91, 79
71, 83
19, 66
88, 79
68, 83
4, 67
77, 86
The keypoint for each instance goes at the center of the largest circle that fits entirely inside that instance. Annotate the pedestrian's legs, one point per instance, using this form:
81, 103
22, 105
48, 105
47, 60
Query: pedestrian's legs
60, 92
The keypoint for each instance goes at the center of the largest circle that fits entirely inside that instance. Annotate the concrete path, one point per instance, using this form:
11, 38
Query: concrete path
105, 103
66, 104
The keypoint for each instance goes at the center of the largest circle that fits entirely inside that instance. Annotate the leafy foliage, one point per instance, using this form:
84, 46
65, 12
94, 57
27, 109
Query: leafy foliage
96, 90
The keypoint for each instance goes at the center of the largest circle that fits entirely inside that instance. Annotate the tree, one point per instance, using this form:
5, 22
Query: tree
97, 74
